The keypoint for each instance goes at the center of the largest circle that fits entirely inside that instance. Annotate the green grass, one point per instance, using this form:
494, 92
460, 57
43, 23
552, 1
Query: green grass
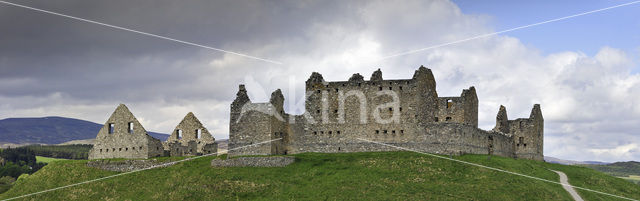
314, 176
632, 178
43, 159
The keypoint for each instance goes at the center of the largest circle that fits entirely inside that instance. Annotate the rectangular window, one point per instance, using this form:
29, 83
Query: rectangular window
198, 133
131, 127
111, 128
338, 132
179, 132
377, 131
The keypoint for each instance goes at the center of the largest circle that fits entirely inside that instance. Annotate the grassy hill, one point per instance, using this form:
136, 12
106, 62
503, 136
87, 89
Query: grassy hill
47, 159
314, 176
627, 170
619, 168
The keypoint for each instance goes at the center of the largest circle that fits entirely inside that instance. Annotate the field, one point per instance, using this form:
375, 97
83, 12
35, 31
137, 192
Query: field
633, 178
314, 176
43, 159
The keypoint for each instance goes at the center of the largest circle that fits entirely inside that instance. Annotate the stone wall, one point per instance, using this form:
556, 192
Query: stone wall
463, 109
125, 165
274, 161
251, 124
528, 135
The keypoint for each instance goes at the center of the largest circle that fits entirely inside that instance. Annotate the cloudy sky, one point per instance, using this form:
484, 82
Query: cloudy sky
584, 71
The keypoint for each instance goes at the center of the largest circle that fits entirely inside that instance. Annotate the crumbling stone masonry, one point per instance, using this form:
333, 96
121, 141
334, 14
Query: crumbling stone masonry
275, 161
190, 138
122, 136
337, 113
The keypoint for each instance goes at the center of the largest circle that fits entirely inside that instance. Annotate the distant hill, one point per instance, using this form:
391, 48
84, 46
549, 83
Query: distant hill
627, 170
619, 169
570, 162
50, 130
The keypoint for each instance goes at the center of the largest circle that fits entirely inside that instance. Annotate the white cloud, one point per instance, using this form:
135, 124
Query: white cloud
591, 104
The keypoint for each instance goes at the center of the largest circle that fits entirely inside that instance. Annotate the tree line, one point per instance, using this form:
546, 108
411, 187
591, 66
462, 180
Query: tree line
17, 161
74, 151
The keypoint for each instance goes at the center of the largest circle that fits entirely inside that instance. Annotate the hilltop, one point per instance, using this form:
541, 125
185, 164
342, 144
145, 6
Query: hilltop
337, 176
50, 130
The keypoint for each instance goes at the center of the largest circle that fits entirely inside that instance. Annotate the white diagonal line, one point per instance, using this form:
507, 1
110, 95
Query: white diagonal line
141, 32
508, 30
125, 173
491, 168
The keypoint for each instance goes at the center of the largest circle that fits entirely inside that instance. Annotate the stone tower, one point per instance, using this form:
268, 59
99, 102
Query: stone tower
502, 121
257, 123
527, 133
122, 136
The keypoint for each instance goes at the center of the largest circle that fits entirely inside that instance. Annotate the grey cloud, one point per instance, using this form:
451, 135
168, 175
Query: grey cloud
55, 66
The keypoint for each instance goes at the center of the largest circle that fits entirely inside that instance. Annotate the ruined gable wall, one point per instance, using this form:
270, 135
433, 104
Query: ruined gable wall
121, 143
189, 127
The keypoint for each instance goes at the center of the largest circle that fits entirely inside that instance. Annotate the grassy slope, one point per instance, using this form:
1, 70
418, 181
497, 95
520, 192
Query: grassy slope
383, 175
43, 159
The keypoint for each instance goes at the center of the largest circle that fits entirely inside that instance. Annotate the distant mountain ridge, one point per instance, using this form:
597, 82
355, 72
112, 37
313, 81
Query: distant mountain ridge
550, 159
51, 130
619, 169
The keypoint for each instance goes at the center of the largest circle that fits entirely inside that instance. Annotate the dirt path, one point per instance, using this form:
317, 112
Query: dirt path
565, 181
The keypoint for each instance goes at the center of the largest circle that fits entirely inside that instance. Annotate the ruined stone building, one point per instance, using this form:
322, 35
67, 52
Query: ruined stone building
190, 138
122, 136
406, 113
